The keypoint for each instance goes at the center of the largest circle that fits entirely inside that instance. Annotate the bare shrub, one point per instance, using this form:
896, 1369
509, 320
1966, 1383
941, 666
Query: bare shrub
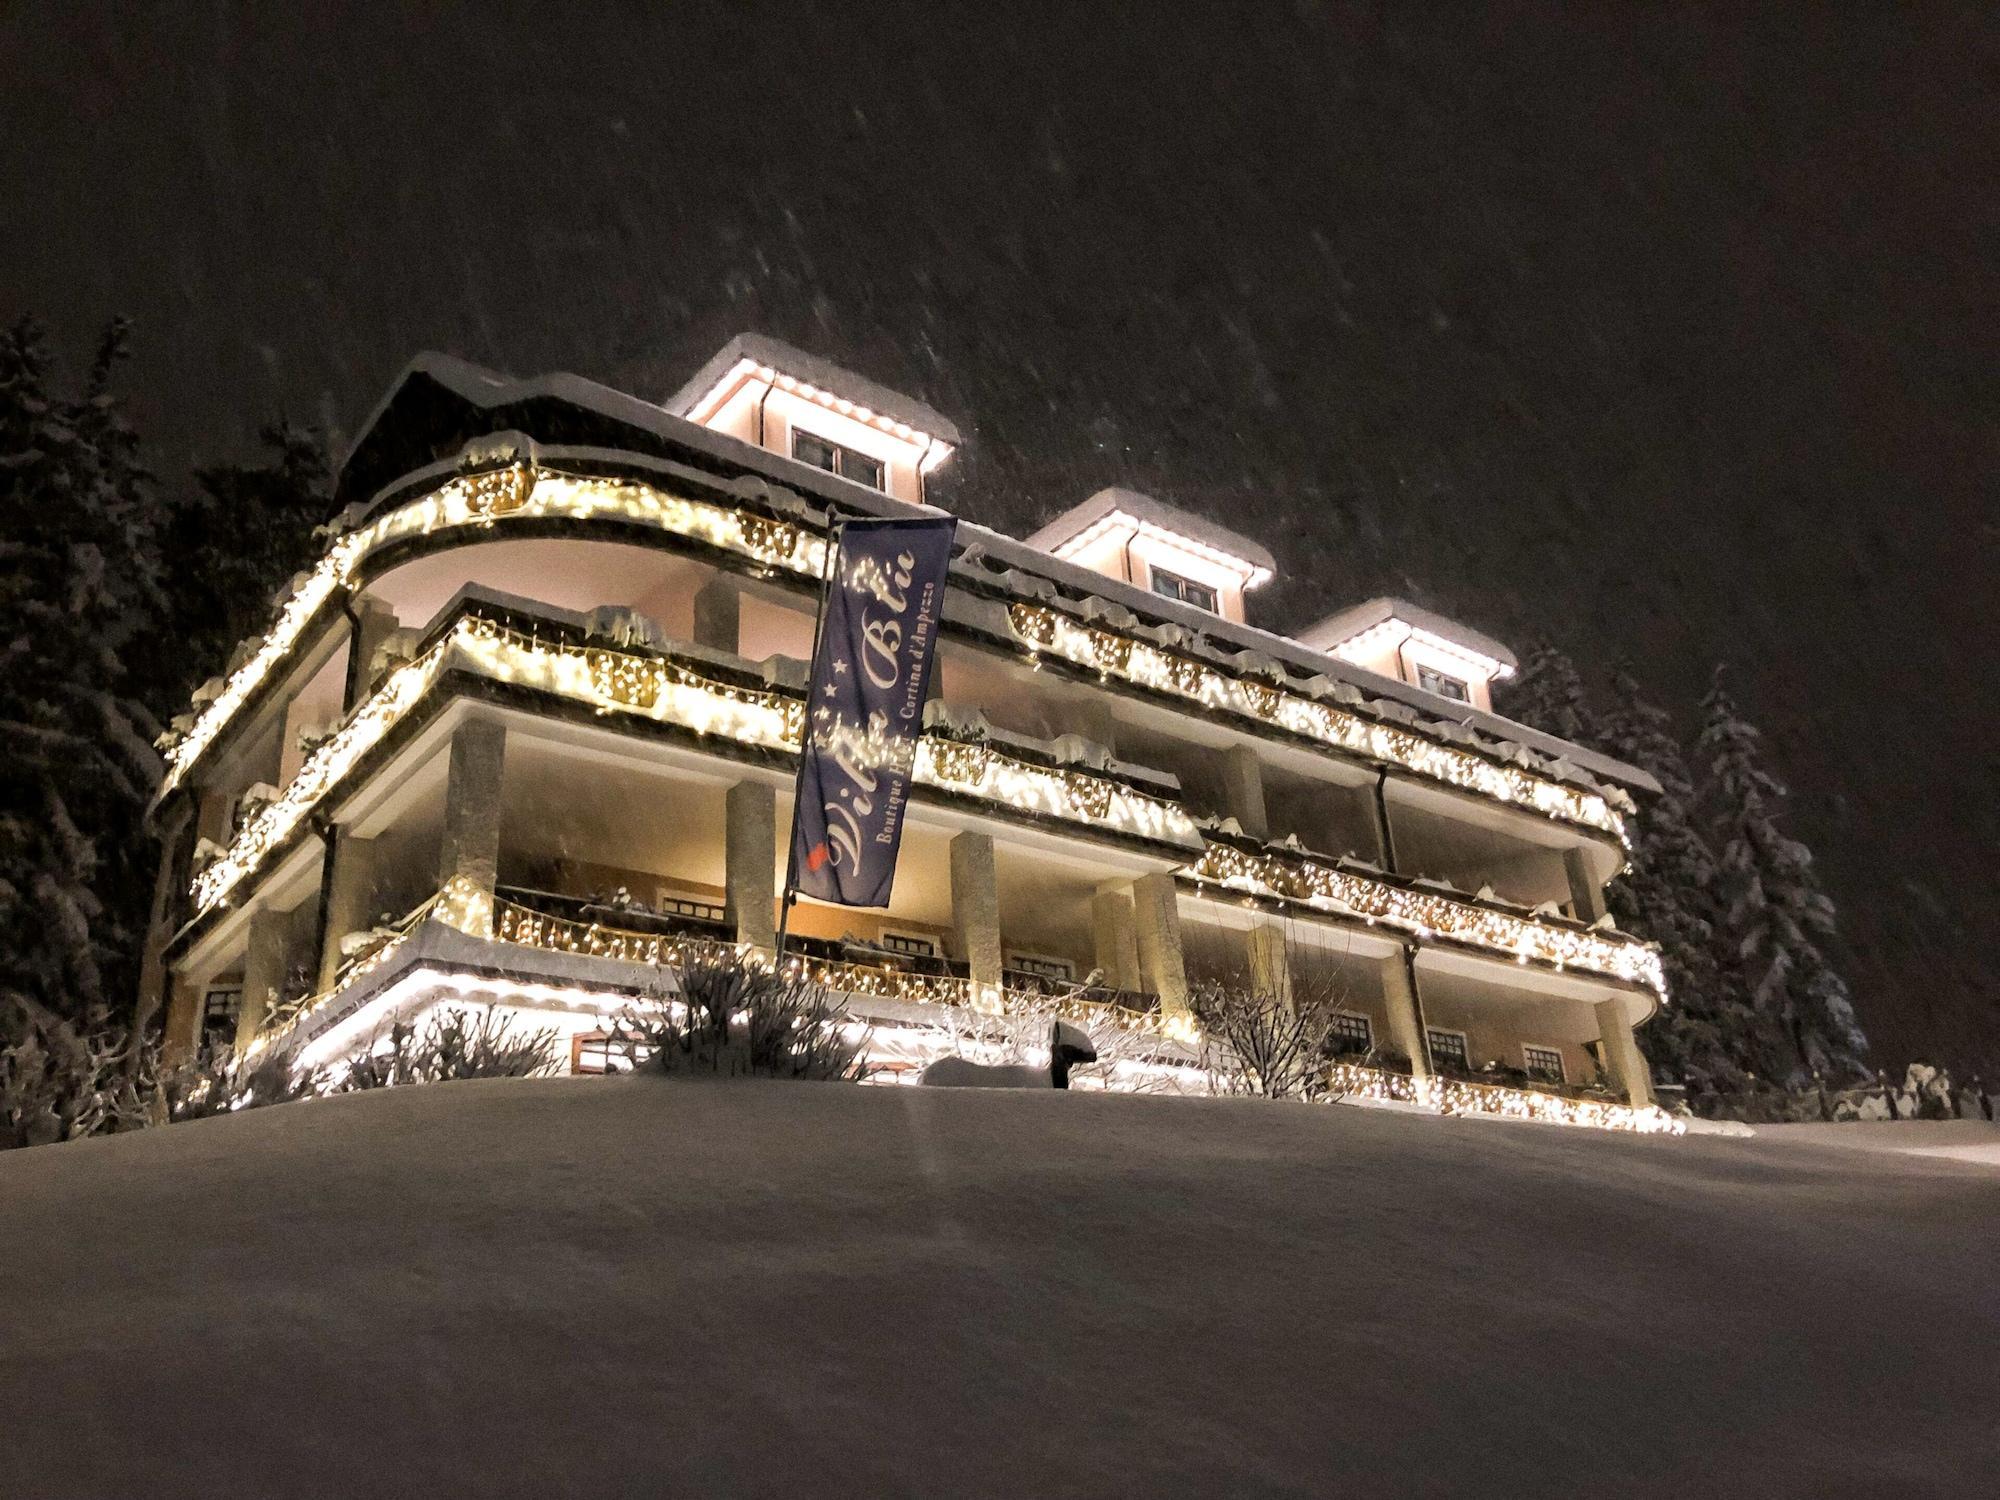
1268, 1045
728, 1018
453, 1045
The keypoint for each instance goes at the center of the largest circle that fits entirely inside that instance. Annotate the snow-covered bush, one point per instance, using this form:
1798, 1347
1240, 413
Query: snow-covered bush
453, 1045
1021, 1035
212, 1080
729, 1018
60, 1081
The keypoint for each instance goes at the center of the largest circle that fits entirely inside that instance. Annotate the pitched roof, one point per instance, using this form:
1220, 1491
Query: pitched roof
787, 360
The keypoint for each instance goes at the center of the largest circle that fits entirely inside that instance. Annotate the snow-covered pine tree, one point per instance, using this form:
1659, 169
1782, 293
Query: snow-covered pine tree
1705, 1033
1548, 694
243, 531
1777, 924
78, 590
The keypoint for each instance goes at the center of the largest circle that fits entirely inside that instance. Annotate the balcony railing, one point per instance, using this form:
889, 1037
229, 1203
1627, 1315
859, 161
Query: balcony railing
848, 967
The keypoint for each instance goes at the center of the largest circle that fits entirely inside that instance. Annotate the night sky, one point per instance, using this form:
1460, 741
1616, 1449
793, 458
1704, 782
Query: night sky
1665, 335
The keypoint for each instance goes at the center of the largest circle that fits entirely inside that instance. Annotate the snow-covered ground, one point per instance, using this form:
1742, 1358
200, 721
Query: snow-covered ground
639, 1286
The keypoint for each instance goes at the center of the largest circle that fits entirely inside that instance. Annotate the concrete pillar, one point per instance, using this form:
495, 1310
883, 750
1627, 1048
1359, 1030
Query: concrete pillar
1622, 1058
376, 621
1270, 962
1243, 790
1406, 1021
1586, 896
263, 972
182, 1028
469, 853
718, 616
975, 912
750, 880
1156, 915
346, 902
1117, 938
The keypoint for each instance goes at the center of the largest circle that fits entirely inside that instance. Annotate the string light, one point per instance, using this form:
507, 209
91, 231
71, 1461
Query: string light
1451, 1096
1114, 655
672, 691
480, 501
1294, 877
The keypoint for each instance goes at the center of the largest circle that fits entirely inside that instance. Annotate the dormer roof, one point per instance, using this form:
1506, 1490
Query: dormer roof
1114, 507
1340, 634
817, 379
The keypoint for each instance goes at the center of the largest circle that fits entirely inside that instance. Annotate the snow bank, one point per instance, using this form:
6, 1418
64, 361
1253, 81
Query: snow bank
637, 1286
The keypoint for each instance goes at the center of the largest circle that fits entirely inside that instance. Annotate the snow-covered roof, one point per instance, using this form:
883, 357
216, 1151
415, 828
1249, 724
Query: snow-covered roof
1113, 503
775, 354
452, 391
1336, 630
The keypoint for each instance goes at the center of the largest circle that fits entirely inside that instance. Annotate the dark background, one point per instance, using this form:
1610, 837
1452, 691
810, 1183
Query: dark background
1666, 332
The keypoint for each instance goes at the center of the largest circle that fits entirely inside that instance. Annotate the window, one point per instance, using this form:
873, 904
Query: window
219, 1010
810, 448
1448, 1048
1433, 681
911, 943
1544, 1062
1042, 966
1173, 586
1351, 1034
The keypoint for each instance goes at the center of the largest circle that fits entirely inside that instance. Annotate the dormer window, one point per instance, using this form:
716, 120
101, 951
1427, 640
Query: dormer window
1431, 680
823, 453
1173, 586
1415, 645
1160, 549
786, 401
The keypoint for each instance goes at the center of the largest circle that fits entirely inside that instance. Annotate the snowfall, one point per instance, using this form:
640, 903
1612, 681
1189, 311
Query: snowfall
648, 1286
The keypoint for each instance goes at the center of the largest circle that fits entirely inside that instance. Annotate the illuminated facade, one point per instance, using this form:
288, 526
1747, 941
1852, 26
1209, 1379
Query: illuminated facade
527, 732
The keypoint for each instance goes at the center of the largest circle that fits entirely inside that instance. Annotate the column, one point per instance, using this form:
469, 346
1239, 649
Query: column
718, 616
347, 899
182, 1029
1157, 917
375, 621
1622, 1058
469, 854
750, 880
975, 912
1117, 938
1270, 962
1243, 790
1586, 896
1406, 1019
263, 972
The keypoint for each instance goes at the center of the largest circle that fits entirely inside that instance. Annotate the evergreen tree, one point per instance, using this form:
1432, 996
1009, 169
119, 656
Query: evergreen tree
1777, 924
229, 545
1548, 694
78, 592
1704, 1034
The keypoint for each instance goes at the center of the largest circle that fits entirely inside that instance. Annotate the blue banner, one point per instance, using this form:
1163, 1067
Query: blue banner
870, 677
